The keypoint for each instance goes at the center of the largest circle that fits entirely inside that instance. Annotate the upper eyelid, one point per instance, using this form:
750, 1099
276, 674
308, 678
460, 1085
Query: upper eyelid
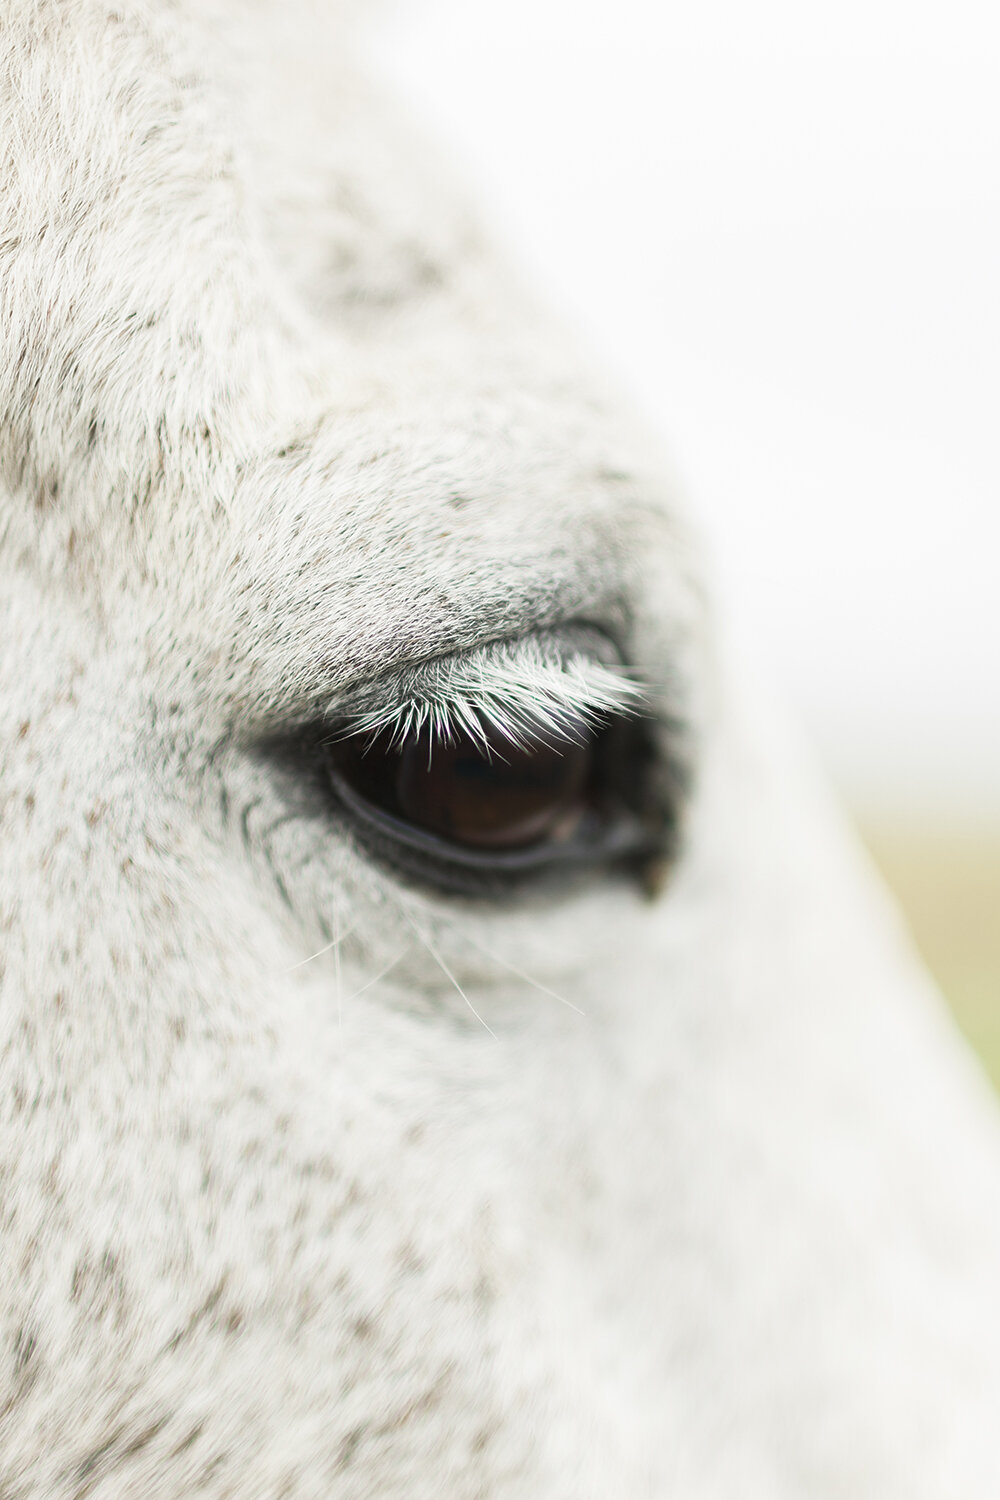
549, 684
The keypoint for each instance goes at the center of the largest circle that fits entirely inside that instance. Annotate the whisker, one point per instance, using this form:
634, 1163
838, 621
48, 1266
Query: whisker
336, 971
448, 974
521, 974
380, 975
328, 948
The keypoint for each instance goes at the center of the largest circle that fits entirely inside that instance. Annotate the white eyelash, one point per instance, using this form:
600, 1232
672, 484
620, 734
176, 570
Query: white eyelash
523, 694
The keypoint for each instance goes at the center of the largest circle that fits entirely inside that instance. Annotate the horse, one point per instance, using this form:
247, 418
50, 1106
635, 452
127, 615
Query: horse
450, 1044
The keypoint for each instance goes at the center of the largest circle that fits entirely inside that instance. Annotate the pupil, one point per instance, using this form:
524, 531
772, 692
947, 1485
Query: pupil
488, 802
503, 798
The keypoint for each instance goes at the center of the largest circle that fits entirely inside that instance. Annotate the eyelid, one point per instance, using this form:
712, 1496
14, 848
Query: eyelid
550, 687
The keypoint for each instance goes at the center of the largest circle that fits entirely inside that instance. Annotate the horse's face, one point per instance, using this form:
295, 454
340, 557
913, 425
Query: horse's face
311, 1124
484, 1113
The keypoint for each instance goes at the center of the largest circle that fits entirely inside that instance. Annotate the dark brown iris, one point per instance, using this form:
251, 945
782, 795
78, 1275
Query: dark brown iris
492, 796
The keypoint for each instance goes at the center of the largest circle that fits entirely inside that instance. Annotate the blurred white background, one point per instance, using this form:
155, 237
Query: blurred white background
778, 225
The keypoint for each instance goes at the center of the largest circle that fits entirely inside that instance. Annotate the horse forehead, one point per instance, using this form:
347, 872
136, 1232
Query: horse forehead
165, 318
200, 393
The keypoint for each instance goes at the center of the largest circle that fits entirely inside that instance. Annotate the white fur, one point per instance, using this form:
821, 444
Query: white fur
522, 691
281, 1217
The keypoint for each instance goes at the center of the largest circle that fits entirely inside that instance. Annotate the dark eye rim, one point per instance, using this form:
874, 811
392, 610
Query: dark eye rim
615, 841
636, 833
650, 774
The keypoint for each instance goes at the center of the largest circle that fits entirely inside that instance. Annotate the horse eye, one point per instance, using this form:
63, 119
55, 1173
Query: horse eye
467, 812
476, 794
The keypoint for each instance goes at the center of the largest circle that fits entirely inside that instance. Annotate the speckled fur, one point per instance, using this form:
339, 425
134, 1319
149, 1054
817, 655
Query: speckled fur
280, 1217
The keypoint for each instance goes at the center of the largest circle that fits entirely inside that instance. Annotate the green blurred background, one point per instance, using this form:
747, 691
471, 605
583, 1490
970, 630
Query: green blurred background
948, 884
